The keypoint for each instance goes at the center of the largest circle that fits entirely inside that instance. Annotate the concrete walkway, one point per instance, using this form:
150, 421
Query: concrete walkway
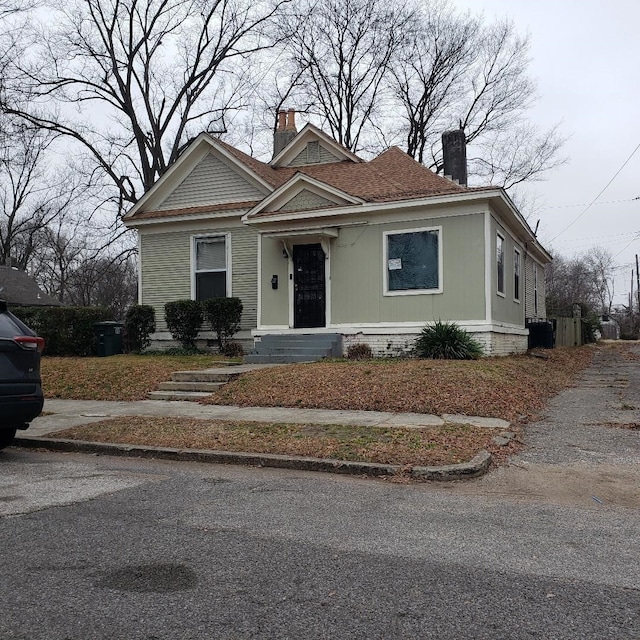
70, 413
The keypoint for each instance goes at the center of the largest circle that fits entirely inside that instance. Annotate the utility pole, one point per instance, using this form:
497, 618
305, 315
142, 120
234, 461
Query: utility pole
637, 283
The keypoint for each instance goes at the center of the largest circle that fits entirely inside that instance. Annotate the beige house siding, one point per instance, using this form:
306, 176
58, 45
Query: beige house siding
302, 158
357, 275
530, 290
504, 307
275, 302
211, 182
306, 200
167, 272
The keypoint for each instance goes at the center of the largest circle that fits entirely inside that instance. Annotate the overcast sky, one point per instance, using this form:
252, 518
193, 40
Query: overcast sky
585, 57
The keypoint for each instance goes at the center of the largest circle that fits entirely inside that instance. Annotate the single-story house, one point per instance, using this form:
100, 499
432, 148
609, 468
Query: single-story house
319, 241
19, 289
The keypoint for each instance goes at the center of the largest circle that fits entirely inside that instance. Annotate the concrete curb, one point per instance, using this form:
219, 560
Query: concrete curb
472, 469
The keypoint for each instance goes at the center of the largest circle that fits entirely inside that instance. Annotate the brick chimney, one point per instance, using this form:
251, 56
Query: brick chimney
285, 130
454, 153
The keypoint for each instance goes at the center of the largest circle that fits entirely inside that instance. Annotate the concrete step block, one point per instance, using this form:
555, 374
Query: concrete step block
177, 395
203, 387
202, 376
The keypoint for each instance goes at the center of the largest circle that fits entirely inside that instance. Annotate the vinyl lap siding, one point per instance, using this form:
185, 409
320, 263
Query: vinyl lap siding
531, 266
211, 182
306, 200
166, 269
325, 156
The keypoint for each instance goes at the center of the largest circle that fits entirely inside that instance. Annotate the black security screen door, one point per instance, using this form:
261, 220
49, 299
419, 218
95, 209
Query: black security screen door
308, 281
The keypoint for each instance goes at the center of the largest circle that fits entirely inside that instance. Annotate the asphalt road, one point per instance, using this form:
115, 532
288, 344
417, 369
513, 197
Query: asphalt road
126, 549
98, 547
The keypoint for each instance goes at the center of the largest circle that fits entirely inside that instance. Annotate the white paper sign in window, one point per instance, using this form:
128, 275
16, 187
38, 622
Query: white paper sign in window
395, 263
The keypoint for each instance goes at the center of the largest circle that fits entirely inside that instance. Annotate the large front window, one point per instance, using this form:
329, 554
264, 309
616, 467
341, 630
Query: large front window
412, 261
210, 267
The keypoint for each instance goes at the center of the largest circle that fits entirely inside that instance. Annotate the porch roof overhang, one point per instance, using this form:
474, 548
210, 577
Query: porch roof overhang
292, 234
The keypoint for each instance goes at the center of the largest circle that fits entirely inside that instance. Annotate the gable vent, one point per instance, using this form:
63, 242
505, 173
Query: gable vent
313, 152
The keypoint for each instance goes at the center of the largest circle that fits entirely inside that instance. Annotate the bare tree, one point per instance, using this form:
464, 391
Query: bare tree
131, 80
602, 275
31, 195
456, 72
428, 71
586, 279
340, 51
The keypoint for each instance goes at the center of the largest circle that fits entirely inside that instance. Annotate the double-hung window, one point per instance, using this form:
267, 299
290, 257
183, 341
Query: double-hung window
500, 263
516, 275
412, 261
211, 268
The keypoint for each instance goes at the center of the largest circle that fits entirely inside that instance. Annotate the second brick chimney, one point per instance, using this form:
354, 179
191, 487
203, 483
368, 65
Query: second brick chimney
285, 130
454, 152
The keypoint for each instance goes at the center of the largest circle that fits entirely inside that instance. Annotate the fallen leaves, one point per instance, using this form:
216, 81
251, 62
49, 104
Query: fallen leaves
447, 444
123, 377
513, 388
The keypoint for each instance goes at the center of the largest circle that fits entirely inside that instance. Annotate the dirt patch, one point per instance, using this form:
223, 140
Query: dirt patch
447, 444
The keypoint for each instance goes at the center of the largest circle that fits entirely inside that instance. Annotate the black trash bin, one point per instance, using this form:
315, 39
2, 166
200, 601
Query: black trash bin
108, 337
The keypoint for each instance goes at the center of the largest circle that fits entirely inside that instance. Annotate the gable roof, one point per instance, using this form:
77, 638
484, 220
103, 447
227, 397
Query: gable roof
193, 154
18, 288
391, 176
310, 132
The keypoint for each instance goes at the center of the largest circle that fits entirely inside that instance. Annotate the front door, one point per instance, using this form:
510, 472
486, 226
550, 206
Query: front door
308, 285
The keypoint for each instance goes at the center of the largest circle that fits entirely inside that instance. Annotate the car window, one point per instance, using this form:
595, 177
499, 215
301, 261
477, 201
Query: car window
10, 326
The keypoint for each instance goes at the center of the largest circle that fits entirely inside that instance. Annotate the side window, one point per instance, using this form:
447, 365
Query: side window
210, 266
412, 261
500, 263
535, 289
516, 275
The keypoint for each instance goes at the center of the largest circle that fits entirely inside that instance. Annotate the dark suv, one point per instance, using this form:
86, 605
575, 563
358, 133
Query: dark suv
21, 396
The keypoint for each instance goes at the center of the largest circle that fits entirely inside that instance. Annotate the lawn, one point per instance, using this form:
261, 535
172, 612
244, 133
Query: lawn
515, 388
448, 444
123, 377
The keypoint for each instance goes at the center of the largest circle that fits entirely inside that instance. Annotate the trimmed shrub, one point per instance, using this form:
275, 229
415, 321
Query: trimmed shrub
67, 331
359, 351
139, 324
184, 319
233, 350
224, 315
447, 341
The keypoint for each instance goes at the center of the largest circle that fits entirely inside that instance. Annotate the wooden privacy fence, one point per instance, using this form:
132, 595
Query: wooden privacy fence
568, 332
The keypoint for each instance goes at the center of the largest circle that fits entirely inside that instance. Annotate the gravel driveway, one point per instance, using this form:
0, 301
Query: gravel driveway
575, 454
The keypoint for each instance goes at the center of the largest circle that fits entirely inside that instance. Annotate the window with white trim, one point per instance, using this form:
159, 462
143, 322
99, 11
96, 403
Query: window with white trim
412, 261
516, 275
535, 289
210, 267
500, 263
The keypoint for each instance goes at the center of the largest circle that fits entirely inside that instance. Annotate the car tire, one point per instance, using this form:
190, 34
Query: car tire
6, 437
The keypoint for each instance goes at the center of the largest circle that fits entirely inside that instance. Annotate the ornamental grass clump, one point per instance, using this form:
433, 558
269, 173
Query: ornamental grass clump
447, 341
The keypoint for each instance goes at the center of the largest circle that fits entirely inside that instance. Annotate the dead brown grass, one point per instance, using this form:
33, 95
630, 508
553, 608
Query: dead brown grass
515, 388
123, 377
448, 444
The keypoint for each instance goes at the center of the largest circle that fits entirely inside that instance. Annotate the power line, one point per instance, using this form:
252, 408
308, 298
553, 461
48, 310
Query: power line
624, 164
584, 204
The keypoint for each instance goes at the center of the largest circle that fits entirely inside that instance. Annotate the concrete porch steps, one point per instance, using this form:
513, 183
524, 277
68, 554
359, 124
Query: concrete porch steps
281, 349
192, 385
195, 385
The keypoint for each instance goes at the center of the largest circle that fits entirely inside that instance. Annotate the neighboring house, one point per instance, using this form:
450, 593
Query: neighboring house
320, 241
18, 289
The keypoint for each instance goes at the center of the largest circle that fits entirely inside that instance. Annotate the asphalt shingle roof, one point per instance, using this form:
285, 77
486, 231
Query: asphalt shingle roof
391, 176
18, 288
